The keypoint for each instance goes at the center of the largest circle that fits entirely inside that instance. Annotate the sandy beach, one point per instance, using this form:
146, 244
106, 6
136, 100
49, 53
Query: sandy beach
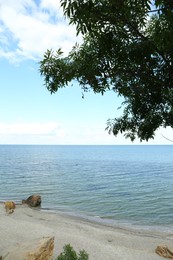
100, 241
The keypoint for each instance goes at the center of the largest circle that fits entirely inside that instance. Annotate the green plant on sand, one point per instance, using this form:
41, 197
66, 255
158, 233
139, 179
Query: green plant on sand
70, 254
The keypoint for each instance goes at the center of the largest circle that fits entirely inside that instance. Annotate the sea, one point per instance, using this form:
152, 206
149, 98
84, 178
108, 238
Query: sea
124, 186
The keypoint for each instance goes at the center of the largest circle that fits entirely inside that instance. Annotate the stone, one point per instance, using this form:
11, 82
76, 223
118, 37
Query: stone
33, 200
164, 251
41, 249
44, 250
9, 206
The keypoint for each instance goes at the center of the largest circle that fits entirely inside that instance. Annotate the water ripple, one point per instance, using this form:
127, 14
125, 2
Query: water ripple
122, 183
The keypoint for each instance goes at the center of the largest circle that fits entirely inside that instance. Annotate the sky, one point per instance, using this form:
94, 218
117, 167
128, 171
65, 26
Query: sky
29, 114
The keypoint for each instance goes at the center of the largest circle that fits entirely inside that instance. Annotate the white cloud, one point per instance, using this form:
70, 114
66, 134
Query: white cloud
53, 133
31, 133
51, 5
28, 30
49, 128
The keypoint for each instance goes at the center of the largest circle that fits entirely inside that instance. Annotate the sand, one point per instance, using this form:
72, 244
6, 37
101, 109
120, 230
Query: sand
100, 241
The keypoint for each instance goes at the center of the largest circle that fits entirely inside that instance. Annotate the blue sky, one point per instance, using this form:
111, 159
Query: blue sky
29, 114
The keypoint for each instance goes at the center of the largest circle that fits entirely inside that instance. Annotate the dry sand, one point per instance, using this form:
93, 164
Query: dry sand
100, 241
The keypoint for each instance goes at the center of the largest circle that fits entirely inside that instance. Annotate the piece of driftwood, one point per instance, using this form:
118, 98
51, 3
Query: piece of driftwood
164, 251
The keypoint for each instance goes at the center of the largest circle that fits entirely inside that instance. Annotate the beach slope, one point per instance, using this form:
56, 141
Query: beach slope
100, 241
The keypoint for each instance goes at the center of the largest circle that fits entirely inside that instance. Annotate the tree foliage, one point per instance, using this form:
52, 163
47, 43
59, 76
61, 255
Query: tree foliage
127, 48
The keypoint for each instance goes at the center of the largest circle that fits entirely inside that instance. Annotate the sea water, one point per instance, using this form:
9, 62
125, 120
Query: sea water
128, 185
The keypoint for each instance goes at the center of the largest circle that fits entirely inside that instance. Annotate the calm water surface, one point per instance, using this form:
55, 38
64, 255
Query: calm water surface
122, 184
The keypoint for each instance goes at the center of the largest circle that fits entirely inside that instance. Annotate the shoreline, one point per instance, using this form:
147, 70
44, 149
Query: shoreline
103, 221
99, 240
112, 223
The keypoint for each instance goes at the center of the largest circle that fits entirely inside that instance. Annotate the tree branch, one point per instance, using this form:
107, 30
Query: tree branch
167, 138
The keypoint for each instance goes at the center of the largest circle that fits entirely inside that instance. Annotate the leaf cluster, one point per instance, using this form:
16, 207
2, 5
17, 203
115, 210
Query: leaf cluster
127, 48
